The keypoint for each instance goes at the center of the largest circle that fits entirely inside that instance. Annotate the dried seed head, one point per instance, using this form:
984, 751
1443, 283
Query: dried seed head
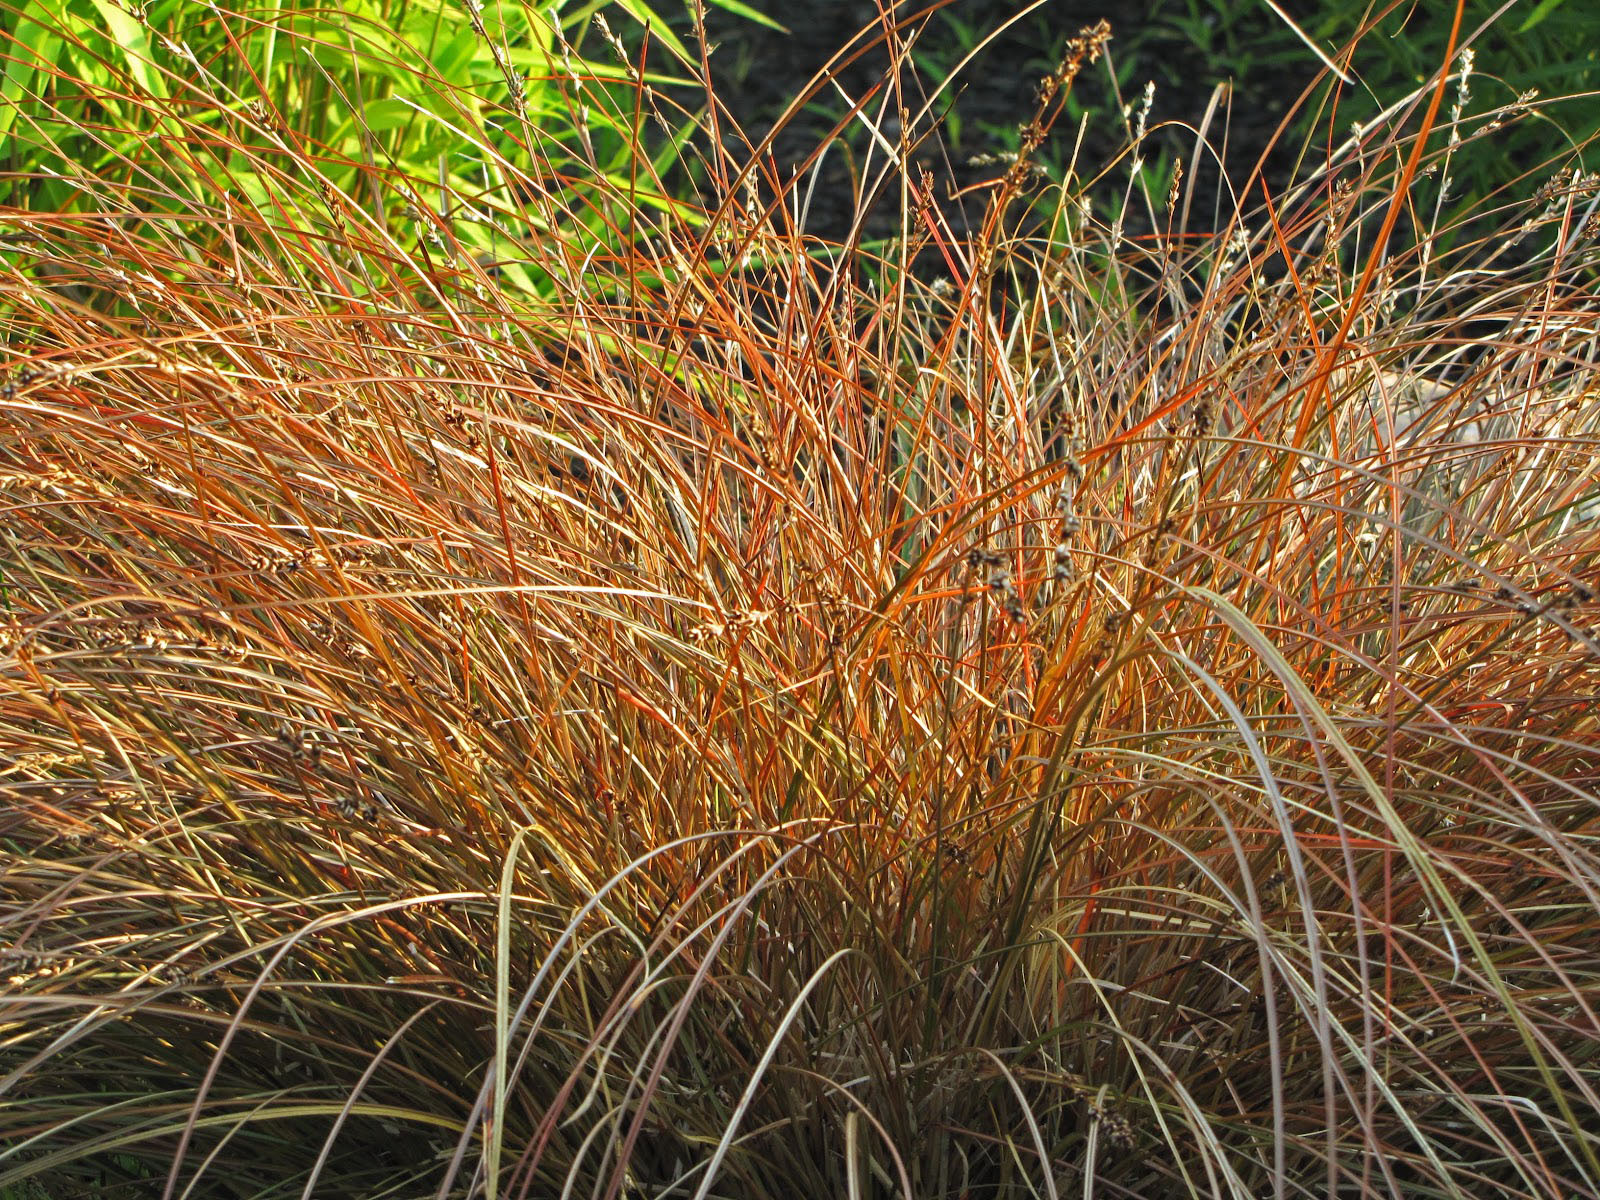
1119, 1132
831, 605
354, 807
302, 745
1062, 570
1143, 114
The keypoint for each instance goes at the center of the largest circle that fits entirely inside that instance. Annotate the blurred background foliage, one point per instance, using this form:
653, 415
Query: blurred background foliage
396, 105
438, 90
1189, 49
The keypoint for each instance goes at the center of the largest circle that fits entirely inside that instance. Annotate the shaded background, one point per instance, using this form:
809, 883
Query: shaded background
1186, 48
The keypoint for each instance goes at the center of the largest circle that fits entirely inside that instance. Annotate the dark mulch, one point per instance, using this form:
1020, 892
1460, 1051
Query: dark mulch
758, 72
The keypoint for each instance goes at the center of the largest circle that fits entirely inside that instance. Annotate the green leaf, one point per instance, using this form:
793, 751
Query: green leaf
31, 37
1540, 12
454, 59
381, 116
134, 41
750, 14
659, 30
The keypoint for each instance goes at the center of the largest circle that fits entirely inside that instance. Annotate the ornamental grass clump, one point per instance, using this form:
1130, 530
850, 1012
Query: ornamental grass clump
1030, 713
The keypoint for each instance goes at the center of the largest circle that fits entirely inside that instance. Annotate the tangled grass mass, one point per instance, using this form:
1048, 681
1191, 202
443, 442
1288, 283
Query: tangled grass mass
530, 685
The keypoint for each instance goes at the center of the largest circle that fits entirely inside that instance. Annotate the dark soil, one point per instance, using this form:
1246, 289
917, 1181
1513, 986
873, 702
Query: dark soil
758, 72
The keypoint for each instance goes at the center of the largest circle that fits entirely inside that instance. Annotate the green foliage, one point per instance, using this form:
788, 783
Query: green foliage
292, 104
1547, 53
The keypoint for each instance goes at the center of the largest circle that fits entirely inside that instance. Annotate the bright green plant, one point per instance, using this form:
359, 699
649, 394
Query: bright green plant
299, 103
